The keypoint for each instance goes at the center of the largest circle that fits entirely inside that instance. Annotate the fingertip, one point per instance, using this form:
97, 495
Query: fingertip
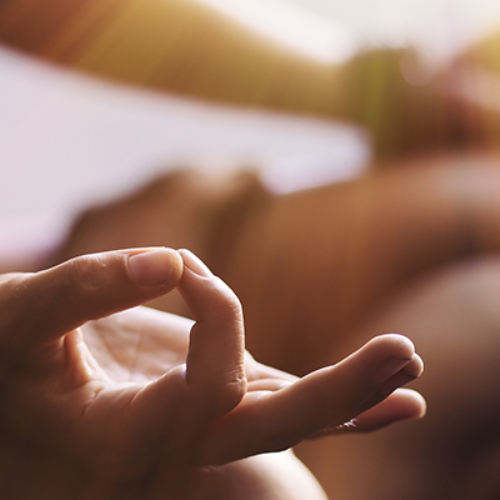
207, 297
394, 352
415, 367
155, 266
408, 404
421, 411
399, 345
417, 403
194, 263
402, 405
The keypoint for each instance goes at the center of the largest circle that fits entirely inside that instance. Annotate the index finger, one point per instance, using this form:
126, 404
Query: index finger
215, 363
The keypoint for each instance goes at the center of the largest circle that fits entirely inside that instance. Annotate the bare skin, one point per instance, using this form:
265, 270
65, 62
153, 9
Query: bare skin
316, 271
325, 260
454, 453
321, 260
143, 404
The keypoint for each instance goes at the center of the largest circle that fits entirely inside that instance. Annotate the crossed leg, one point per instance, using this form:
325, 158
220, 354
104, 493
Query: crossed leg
311, 267
453, 453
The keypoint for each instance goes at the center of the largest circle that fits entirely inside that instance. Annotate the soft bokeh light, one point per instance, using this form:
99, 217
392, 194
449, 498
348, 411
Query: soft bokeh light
301, 29
329, 30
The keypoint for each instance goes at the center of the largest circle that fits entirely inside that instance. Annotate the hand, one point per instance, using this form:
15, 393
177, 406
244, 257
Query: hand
142, 409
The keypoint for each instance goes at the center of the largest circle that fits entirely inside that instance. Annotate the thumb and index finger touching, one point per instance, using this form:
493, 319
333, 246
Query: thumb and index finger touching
40, 308
213, 381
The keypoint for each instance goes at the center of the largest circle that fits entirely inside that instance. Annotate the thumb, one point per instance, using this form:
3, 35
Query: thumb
41, 307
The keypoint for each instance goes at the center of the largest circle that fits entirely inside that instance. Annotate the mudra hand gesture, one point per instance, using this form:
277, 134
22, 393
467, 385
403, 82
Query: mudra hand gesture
129, 398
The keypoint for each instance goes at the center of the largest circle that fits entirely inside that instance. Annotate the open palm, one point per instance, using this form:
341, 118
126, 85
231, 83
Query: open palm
139, 392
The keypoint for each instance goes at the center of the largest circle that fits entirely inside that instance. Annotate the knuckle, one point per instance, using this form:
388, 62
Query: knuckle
228, 303
82, 270
82, 277
226, 394
234, 391
394, 344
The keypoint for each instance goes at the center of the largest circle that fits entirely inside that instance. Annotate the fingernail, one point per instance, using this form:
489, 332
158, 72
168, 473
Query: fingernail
195, 264
152, 267
390, 367
410, 375
415, 368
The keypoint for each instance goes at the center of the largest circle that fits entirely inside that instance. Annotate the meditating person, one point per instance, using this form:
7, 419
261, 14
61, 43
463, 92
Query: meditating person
410, 247
155, 407
320, 271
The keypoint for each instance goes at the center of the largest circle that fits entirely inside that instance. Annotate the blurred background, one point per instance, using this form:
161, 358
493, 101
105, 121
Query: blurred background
98, 96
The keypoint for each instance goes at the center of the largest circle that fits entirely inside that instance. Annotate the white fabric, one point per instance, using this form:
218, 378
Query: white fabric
67, 140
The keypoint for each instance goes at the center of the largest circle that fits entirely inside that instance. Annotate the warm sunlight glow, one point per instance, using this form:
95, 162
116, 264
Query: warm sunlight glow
297, 28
